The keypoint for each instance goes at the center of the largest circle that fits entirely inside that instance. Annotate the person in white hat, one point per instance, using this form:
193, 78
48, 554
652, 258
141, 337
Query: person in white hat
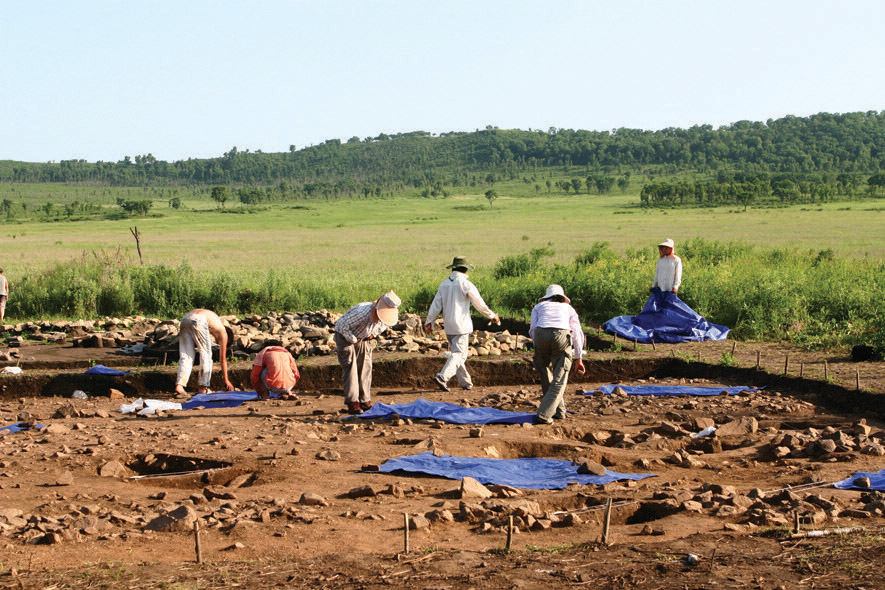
558, 338
668, 272
355, 332
453, 298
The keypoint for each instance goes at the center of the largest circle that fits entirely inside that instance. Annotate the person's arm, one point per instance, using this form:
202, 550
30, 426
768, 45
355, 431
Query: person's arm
476, 300
294, 368
433, 312
534, 323
255, 378
577, 339
222, 353
677, 278
346, 324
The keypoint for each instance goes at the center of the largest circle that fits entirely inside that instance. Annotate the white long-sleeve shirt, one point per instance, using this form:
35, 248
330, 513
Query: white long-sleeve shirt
561, 316
668, 273
453, 298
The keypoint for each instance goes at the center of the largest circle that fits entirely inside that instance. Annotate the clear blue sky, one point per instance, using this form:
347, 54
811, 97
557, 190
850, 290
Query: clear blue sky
100, 79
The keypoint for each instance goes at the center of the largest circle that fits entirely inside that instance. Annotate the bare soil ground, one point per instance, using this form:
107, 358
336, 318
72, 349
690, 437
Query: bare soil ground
277, 508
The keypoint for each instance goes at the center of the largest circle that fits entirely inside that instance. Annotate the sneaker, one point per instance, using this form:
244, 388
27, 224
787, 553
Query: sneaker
544, 421
466, 387
365, 406
354, 408
440, 383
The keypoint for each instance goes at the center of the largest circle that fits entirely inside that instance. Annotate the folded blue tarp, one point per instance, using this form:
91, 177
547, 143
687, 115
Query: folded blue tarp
221, 399
4, 430
665, 318
452, 413
535, 474
877, 481
671, 390
103, 370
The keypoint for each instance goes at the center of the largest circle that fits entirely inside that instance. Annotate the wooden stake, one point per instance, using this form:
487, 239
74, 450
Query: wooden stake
653, 347
634, 344
599, 331
198, 547
796, 527
164, 359
509, 534
786, 363
826, 371
857, 379
758, 357
405, 532
615, 341
606, 522
801, 369
734, 346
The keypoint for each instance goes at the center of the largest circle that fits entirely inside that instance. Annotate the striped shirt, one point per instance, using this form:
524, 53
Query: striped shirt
356, 323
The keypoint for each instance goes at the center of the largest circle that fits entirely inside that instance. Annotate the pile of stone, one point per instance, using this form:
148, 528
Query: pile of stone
827, 444
107, 518
312, 334
106, 333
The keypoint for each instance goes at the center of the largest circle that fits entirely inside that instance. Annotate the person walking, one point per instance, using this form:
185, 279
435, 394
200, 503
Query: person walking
668, 272
558, 338
197, 329
274, 371
4, 294
355, 332
453, 298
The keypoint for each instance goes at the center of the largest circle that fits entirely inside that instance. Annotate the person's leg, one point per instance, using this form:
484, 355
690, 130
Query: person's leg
561, 358
364, 349
461, 345
204, 347
457, 357
542, 346
185, 356
3, 299
346, 358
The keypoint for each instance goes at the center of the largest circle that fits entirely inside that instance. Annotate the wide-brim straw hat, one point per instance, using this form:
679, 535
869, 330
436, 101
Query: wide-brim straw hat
460, 262
668, 243
553, 291
386, 308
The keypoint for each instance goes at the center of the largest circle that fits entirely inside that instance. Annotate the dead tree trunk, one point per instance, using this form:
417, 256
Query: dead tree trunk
137, 237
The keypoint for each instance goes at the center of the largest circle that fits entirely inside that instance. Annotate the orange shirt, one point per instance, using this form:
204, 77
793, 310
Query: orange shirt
281, 370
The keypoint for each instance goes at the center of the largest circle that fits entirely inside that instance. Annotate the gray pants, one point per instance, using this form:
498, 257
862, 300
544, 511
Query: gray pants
553, 347
459, 345
356, 368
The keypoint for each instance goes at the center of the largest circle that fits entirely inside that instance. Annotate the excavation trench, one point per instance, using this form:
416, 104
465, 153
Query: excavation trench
406, 372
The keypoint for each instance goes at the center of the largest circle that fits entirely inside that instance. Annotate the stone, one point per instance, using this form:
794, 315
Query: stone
115, 394
212, 494
311, 499
440, 515
692, 506
66, 478
66, 411
470, 488
744, 425
862, 482
362, 492
476, 432
329, 455
588, 466
418, 521
180, 520
55, 428
113, 469
492, 451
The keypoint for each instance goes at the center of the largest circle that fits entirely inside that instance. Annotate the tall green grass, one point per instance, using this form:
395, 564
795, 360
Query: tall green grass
812, 298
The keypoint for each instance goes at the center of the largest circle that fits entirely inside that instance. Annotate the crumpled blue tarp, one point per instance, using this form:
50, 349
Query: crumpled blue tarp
103, 370
17, 427
453, 413
877, 481
665, 318
221, 399
671, 390
535, 474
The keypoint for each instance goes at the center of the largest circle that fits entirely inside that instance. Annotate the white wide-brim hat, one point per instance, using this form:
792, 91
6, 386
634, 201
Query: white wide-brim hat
553, 291
668, 243
386, 308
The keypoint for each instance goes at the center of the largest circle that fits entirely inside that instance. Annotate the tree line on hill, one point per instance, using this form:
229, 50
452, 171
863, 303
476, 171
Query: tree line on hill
818, 149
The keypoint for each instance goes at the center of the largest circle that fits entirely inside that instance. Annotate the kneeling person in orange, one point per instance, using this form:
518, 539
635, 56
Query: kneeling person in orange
274, 371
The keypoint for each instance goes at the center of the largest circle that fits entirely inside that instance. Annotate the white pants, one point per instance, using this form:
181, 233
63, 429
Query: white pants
459, 345
194, 337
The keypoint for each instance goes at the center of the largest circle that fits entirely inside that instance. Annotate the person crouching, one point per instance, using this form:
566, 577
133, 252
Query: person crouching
274, 371
558, 338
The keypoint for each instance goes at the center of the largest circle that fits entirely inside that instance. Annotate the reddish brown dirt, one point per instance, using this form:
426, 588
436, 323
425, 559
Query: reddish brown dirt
357, 542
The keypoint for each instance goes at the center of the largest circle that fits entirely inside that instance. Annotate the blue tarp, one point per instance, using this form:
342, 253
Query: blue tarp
671, 390
103, 370
452, 413
221, 399
877, 481
665, 318
535, 474
4, 430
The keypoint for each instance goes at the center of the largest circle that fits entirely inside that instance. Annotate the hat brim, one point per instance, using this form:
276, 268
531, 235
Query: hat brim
467, 266
567, 300
389, 316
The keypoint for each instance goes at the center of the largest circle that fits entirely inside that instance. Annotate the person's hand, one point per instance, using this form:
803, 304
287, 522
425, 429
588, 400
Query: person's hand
428, 328
229, 385
675, 291
496, 320
579, 366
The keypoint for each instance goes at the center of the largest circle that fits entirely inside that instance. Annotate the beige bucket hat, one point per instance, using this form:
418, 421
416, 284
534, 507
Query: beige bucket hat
553, 291
386, 308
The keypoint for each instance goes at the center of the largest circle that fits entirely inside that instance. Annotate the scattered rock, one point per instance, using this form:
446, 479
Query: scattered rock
311, 499
180, 520
470, 488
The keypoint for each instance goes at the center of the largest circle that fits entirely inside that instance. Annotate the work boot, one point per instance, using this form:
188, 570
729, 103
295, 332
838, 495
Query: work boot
354, 408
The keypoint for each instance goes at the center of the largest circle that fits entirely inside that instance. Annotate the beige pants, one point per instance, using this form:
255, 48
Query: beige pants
456, 364
194, 337
356, 369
